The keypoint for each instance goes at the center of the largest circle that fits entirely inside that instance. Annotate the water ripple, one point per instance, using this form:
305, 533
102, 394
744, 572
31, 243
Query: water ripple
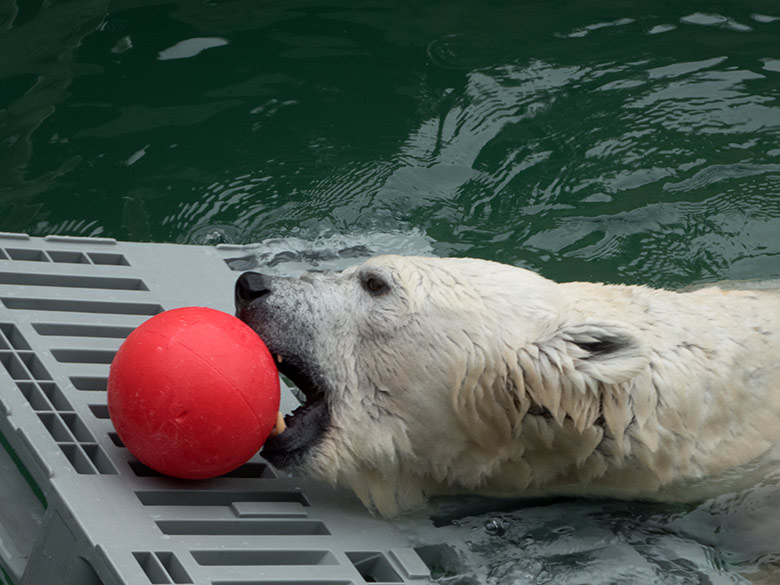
642, 188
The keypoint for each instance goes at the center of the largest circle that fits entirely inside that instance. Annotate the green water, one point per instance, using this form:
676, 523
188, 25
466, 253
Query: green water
619, 141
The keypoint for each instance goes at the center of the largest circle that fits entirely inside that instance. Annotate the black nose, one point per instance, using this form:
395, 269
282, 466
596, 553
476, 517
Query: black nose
251, 286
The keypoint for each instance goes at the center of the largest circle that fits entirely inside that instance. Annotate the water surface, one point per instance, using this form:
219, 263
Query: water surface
622, 142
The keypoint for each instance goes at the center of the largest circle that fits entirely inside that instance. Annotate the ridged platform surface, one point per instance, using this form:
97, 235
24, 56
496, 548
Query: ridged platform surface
78, 509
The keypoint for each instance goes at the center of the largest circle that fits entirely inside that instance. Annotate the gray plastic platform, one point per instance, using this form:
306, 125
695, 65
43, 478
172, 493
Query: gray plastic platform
77, 509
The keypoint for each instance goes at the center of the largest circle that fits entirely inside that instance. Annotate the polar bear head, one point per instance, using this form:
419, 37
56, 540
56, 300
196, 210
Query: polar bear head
431, 374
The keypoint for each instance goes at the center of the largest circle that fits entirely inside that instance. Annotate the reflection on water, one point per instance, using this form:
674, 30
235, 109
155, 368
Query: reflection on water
504, 163
291, 256
578, 543
727, 540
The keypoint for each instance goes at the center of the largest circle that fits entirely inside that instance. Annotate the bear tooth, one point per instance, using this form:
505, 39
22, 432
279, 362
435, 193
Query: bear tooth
279, 358
280, 425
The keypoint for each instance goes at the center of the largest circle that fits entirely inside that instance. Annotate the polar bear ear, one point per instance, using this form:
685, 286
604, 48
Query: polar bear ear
606, 351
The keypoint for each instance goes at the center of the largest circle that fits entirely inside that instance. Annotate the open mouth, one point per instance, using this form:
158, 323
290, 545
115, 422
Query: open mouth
305, 426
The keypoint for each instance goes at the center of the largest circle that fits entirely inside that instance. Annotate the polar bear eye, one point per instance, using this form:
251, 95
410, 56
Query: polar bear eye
374, 284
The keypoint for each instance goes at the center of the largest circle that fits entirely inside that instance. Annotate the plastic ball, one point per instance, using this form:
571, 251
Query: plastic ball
193, 393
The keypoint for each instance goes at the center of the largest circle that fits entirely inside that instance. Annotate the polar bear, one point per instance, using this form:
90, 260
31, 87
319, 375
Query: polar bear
450, 375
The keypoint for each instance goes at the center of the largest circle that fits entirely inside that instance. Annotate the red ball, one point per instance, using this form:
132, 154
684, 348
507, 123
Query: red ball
193, 393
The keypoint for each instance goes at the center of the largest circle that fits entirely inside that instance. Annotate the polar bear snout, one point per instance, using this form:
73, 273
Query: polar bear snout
268, 305
251, 286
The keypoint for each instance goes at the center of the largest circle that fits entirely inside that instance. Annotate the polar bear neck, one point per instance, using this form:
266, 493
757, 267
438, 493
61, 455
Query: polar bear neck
687, 413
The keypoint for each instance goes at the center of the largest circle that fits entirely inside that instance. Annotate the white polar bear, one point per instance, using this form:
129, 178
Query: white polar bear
433, 375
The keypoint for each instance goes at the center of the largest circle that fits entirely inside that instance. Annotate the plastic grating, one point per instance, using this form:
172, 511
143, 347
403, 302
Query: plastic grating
78, 509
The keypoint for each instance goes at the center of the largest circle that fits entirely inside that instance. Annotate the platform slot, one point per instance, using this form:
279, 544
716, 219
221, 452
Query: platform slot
83, 356
283, 582
67, 257
64, 256
33, 365
217, 497
71, 281
264, 558
11, 338
138, 468
48, 401
99, 411
243, 528
374, 567
249, 470
108, 259
252, 470
82, 330
27, 255
162, 568
56, 427
89, 383
67, 306
14, 366
78, 459
35, 397
55, 396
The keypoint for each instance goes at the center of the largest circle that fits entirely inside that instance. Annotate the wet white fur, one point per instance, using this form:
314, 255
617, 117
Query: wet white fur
476, 376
